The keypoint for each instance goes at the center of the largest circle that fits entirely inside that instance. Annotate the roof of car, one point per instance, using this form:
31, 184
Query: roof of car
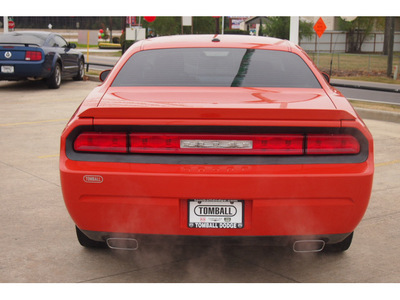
36, 33
25, 37
207, 40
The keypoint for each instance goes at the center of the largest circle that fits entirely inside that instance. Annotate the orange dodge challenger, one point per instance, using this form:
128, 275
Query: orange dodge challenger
228, 137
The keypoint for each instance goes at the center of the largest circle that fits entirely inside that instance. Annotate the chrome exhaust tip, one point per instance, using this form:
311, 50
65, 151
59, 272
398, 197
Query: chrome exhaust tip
122, 244
308, 246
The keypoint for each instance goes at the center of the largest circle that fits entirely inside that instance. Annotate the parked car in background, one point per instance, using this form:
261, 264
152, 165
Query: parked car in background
216, 137
39, 55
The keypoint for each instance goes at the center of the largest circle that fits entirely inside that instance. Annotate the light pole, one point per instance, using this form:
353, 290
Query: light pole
294, 30
5, 24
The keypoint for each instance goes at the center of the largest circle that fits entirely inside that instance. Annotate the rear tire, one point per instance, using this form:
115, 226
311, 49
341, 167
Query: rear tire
54, 81
88, 243
340, 247
81, 71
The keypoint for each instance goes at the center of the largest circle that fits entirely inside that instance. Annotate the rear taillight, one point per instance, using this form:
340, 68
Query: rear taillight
217, 144
33, 55
321, 144
101, 142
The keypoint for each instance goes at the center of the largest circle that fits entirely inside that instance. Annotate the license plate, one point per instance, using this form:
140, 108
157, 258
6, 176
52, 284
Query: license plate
204, 213
7, 69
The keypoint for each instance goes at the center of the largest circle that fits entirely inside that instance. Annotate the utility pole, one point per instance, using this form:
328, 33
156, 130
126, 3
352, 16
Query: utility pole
390, 23
294, 30
5, 24
110, 37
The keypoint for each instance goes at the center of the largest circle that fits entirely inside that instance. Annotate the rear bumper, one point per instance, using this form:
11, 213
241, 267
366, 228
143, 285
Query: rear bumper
26, 69
279, 200
213, 240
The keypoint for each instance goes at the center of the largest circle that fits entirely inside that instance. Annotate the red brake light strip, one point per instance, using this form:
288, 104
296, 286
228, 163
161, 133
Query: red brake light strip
101, 142
332, 144
214, 144
265, 144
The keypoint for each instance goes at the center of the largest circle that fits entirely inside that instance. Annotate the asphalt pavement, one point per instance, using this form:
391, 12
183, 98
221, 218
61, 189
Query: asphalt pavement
368, 91
38, 238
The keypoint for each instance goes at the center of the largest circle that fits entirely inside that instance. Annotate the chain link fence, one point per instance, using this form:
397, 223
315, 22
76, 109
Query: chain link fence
346, 64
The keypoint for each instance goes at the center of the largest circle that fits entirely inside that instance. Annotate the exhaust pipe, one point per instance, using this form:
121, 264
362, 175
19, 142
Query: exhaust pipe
122, 244
308, 246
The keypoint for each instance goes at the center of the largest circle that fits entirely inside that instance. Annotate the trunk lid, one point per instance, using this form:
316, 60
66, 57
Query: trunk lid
216, 103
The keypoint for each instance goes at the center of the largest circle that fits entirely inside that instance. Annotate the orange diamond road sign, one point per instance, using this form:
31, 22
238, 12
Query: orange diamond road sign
320, 27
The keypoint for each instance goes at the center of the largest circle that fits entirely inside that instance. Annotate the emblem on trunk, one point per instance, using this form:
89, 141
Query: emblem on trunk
8, 54
93, 179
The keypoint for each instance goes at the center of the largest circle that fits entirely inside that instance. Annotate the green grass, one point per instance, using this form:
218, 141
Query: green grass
84, 46
381, 79
376, 106
368, 67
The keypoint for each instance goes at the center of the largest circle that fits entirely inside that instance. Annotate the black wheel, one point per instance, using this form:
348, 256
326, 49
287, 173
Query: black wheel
81, 71
54, 81
88, 243
340, 247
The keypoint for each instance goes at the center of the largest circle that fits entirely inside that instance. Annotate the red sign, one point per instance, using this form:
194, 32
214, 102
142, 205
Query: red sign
11, 24
320, 27
131, 21
149, 19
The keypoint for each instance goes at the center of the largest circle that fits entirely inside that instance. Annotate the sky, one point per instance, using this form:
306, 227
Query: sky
192, 8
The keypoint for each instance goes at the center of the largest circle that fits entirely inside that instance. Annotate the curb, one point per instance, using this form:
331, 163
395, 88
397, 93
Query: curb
379, 115
364, 87
364, 113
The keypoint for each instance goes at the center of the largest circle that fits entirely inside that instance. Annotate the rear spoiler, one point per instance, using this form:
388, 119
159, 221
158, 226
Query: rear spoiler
20, 44
188, 113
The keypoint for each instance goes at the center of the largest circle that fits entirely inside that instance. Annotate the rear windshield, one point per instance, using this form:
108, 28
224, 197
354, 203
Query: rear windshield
23, 38
222, 67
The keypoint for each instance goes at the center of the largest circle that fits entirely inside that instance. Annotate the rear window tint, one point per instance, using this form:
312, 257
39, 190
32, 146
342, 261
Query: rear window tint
221, 67
23, 38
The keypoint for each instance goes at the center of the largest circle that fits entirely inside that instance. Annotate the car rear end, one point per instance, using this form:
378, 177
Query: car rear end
18, 62
287, 164
21, 57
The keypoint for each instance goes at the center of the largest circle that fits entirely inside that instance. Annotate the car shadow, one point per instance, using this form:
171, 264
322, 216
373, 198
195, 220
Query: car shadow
211, 263
29, 85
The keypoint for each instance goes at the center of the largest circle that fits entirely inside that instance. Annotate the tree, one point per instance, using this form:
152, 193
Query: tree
203, 25
389, 41
358, 30
279, 27
173, 25
165, 25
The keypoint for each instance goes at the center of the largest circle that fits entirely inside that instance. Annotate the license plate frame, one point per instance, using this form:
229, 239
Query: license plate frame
215, 213
7, 69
